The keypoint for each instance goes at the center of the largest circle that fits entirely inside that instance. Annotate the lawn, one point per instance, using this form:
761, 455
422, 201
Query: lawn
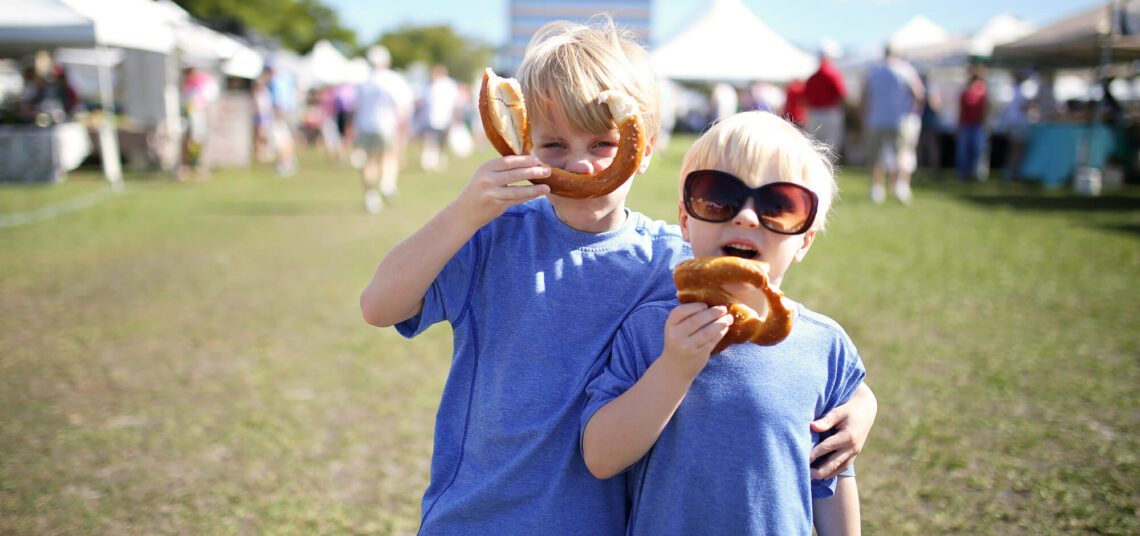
189, 358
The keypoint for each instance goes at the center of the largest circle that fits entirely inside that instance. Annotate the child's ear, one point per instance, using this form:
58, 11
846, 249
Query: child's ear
809, 239
647, 157
683, 220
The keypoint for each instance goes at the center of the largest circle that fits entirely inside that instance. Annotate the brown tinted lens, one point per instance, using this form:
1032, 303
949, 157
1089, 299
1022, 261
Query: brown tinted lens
713, 196
785, 208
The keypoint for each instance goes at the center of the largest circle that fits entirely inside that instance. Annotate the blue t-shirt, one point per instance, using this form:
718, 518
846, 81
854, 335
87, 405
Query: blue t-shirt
734, 459
533, 305
889, 95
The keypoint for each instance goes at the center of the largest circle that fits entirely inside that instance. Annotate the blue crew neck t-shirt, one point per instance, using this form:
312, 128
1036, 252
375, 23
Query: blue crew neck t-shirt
734, 459
533, 305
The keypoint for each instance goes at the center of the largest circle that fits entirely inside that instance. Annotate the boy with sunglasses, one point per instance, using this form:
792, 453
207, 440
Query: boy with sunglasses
534, 286
722, 445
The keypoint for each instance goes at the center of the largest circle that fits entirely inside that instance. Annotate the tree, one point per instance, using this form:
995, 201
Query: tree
297, 24
432, 45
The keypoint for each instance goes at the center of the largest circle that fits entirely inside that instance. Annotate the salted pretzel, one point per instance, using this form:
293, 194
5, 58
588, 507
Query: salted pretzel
700, 279
503, 112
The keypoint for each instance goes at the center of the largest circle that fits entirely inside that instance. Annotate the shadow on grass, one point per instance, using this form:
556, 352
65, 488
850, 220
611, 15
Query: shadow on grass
1103, 212
1054, 203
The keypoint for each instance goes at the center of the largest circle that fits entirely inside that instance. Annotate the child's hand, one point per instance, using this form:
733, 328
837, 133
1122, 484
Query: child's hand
691, 332
489, 193
852, 424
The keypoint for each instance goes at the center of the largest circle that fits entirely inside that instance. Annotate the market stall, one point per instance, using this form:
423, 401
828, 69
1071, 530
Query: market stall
1070, 141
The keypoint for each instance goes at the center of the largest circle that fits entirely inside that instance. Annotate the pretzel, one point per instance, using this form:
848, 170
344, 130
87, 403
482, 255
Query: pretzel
503, 112
700, 280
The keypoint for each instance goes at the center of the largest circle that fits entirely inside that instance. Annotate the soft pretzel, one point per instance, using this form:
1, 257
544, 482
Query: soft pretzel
700, 280
503, 112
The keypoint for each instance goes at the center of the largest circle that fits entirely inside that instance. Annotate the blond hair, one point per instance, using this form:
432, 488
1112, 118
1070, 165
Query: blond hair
743, 144
567, 65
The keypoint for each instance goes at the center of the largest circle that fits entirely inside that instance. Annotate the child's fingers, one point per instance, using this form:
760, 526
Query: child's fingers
692, 318
830, 458
523, 192
507, 163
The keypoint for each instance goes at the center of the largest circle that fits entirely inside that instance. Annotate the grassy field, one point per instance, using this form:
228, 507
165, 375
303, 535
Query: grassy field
189, 358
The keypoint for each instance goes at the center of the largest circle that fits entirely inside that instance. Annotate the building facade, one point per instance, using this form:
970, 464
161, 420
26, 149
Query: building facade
527, 16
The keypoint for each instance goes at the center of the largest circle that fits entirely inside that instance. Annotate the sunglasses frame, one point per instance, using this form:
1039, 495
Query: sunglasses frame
752, 193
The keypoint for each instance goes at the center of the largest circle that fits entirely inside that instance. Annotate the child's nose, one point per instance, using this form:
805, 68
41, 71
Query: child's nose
747, 217
579, 164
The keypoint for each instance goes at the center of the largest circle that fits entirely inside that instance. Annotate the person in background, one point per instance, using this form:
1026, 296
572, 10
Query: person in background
825, 93
440, 100
795, 103
930, 133
892, 93
283, 94
725, 99
199, 90
972, 107
1014, 121
383, 111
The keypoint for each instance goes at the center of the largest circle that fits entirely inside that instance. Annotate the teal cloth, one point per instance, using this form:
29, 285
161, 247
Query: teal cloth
1053, 150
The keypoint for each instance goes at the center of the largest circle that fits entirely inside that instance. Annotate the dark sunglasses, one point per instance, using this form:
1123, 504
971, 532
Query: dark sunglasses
716, 197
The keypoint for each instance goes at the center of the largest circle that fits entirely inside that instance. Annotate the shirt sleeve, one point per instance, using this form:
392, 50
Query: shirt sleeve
637, 344
447, 297
847, 373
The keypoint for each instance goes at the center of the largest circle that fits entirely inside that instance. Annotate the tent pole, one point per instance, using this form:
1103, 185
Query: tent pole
108, 140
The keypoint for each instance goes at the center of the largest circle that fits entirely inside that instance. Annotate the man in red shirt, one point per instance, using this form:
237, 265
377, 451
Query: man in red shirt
794, 109
824, 94
971, 127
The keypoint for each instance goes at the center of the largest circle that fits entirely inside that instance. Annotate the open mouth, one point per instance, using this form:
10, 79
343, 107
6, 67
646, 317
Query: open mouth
739, 250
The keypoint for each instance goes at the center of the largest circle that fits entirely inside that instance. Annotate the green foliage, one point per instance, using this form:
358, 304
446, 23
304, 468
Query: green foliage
432, 45
298, 24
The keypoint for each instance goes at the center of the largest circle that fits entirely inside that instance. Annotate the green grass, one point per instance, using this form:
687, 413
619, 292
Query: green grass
189, 358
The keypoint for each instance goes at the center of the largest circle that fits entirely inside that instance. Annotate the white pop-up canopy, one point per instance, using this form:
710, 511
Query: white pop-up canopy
30, 25
729, 43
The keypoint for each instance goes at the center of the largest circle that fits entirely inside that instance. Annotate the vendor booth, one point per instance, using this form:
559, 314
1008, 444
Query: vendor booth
1103, 42
139, 49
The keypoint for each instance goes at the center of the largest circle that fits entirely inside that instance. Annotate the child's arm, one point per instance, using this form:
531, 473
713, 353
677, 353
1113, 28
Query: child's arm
397, 289
838, 514
623, 430
852, 422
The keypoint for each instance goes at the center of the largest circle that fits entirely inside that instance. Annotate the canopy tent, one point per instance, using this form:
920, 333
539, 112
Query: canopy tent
917, 32
199, 45
729, 43
958, 50
1109, 31
30, 25
326, 66
27, 26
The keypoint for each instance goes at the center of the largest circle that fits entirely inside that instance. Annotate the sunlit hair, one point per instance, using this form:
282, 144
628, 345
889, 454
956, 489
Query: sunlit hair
743, 145
568, 64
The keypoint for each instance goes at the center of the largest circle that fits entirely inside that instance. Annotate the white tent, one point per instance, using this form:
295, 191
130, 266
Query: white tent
956, 50
326, 65
198, 45
918, 32
999, 30
30, 25
730, 43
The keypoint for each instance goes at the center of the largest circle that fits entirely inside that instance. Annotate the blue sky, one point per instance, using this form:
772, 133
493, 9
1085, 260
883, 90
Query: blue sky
803, 22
